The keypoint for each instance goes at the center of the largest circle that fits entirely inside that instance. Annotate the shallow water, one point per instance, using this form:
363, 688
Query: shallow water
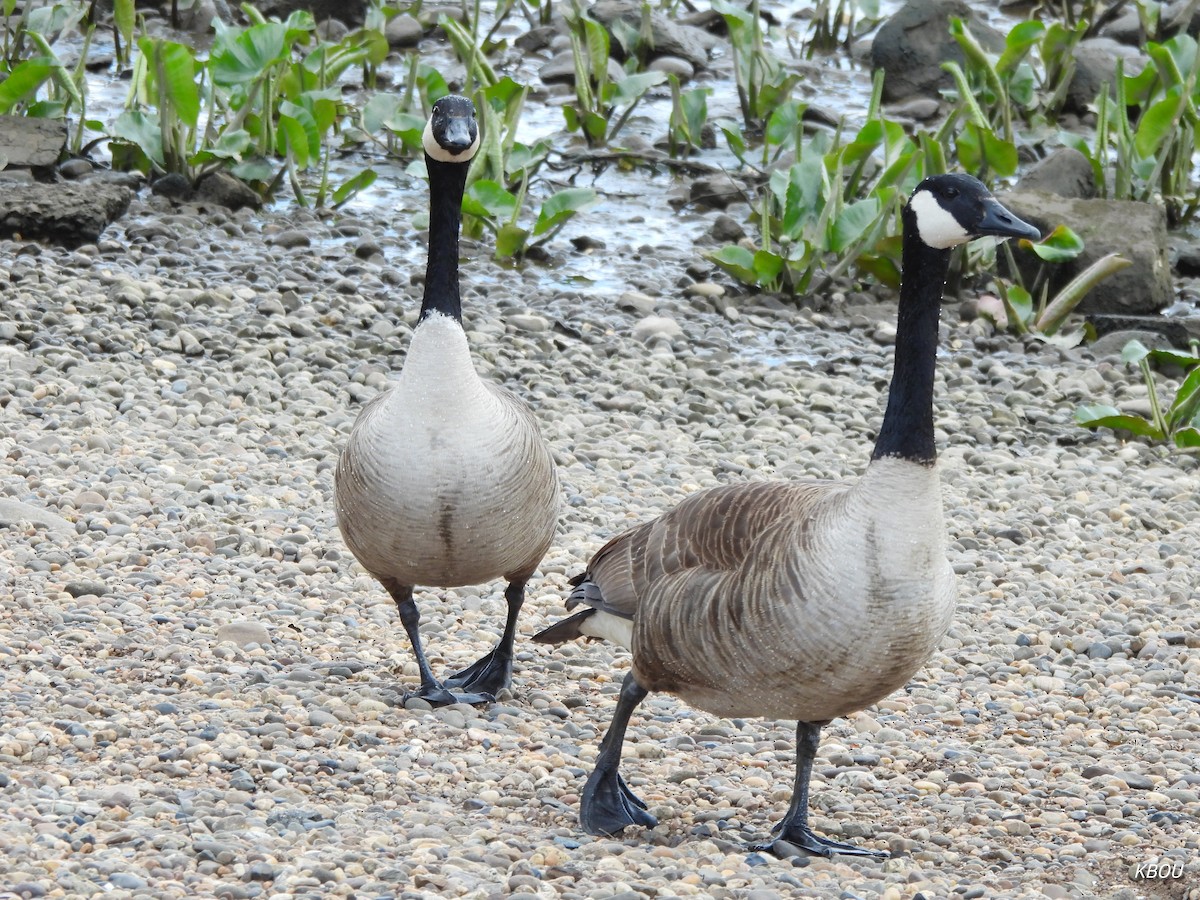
634, 212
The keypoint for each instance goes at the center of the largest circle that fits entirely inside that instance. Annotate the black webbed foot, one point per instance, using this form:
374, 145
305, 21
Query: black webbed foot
803, 838
489, 674
438, 695
608, 806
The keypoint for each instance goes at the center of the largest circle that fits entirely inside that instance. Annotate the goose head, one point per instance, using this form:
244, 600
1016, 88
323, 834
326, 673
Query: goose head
452, 133
948, 210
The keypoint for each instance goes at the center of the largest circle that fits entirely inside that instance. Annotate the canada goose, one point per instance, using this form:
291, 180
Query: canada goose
801, 600
445, 479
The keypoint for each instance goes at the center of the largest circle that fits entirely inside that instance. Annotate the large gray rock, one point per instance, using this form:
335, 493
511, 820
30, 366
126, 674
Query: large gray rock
911, 46
669, 37
27, 142
14, 513
1135, 230
226, 190
68, 213
1065, 172
1095, 68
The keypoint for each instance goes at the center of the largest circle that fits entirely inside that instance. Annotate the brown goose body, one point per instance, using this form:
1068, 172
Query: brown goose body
801, 600
793, 600
445, 479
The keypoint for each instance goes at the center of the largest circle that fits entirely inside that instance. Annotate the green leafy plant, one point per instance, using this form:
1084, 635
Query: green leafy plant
30, 65
689, 114
762, 81
830, 209
598, 96
265, 92
1177, 422
833, 25
499, 210
1045, 316
1146, 135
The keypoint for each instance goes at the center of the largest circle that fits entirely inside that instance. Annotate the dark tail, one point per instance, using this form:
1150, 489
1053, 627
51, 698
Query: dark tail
566, 630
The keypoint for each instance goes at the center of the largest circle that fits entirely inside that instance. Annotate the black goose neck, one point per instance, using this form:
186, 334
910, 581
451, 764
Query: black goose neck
447, 180
907, 429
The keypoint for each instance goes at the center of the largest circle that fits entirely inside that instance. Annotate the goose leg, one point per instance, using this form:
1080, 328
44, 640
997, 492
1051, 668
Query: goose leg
793, 829
432, 691
493, 671
607, 805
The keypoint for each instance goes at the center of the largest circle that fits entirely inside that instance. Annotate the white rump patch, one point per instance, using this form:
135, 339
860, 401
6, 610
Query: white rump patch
935, 224
612, 628
440, 153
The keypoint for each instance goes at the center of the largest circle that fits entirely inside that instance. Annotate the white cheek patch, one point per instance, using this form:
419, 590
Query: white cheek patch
440, 153
936, 226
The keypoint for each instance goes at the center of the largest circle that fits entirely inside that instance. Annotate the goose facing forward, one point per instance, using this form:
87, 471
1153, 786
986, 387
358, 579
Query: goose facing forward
445, 479
801, 600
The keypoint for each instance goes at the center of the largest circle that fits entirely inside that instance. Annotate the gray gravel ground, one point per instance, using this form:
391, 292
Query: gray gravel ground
201, 691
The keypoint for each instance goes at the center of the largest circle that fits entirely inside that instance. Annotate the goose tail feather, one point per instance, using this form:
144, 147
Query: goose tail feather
566, 630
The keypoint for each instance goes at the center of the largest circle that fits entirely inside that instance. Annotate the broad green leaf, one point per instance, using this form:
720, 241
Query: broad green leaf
503, 93
510, 241
487, 199
1060, 245
231, 143
353, 186
1186, 404
737, 261
1173, 58
175, 71
1023, 86
523, 158
252, 170
124, 17
573, 119
695, 109
1159, 124
382, 110
595, 126
882, 268
299, 130
24, 81
734, 139
1018, 305
249, 54
802, 200
432, 84
1101, 416
632, 87
1168, 356
996, 155
768, 267
760, 268
1134, 352
1187, 438
596, 44
783, 122
562, 206
142, 130
1021, 39
854, 221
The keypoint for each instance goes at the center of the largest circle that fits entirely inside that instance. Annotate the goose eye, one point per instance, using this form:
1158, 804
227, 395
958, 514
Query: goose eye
951, 192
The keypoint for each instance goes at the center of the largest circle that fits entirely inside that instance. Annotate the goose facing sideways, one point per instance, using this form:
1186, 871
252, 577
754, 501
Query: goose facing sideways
445, 480
803, 600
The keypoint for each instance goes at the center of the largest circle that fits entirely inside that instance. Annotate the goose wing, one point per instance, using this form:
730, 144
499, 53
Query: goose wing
710, 534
